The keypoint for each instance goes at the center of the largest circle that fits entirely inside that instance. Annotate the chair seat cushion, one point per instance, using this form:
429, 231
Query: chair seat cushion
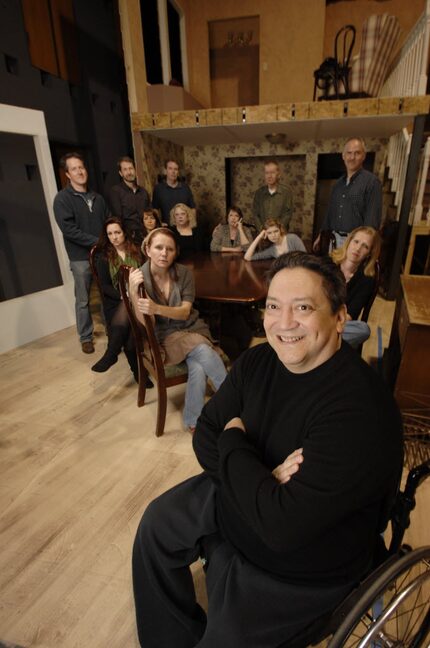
171, 371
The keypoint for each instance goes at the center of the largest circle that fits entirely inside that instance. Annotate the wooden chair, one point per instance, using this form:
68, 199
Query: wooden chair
366, 309
332, 75
149, 356
93, 265
327, 242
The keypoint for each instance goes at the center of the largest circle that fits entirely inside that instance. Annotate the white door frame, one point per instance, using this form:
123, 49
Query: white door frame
33, 316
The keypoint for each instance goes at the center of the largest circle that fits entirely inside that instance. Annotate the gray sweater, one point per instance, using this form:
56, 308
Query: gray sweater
80, 221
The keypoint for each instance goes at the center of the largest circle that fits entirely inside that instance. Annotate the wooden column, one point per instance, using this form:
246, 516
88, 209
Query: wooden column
134, 60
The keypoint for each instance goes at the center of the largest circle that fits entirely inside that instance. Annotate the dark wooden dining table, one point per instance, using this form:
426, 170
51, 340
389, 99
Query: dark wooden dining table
226, 277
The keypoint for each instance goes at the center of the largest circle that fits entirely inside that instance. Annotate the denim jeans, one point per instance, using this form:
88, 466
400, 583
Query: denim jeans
202, 362
340, 240
82, 275
355, 332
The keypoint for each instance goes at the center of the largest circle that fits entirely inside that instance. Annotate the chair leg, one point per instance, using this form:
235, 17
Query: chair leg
143, 375
161, 409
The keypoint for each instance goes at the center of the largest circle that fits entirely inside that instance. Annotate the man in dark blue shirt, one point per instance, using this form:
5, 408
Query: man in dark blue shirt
356, 198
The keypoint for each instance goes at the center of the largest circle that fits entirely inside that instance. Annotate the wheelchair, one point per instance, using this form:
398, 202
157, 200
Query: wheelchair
390, 608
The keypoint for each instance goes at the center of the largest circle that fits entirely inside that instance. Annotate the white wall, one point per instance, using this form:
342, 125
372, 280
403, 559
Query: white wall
28, 318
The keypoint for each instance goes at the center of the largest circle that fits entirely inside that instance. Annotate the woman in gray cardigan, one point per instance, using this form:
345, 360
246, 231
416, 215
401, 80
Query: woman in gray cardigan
274, 231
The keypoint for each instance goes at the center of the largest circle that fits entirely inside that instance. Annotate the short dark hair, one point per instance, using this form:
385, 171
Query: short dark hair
124, 158
236, 209
67, 156
333, 281
166, 162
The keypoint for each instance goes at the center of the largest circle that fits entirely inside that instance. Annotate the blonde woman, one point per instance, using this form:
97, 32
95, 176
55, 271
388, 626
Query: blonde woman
189, 236
357, 258
182, 335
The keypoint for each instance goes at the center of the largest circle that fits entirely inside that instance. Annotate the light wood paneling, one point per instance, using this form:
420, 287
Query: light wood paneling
362, 107
290, 38
293, 111
185, 118
41, 45
277, 114
213, 116
261, 114
322, 109
66, 40
79, 463
162, 120
230, 115
141, 121
134, 54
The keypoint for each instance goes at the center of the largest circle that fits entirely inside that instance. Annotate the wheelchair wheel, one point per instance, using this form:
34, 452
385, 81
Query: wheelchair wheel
395, 610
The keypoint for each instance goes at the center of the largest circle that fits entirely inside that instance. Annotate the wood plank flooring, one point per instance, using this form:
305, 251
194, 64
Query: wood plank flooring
78, 464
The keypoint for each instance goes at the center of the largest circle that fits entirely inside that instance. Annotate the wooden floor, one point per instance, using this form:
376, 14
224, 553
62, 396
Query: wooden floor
79, 462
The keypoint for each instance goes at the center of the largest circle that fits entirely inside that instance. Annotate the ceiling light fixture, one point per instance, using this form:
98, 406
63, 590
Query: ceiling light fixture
276, 138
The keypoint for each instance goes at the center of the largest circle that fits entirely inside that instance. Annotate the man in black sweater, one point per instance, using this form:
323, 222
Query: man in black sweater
128, 200
302, 452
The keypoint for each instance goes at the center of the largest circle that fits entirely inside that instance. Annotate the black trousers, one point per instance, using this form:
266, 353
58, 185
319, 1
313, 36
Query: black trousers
248, 607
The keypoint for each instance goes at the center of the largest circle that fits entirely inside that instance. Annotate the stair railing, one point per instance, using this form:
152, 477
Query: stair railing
418, 206
408, 76
399, 146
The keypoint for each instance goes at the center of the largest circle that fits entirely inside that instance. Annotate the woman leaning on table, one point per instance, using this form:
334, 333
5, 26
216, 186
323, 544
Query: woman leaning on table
281, 242
233, 235
182, 335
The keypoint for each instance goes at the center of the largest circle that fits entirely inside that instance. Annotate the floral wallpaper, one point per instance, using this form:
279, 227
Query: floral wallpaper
204, 168
156, 152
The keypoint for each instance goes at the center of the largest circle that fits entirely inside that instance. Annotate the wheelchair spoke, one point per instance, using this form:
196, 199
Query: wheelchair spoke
397, 612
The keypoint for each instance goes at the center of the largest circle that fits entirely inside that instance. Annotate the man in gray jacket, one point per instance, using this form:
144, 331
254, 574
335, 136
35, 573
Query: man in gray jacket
80, 214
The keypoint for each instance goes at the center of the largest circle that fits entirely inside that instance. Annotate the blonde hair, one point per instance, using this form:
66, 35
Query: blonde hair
339, 254
192, 221
158, 230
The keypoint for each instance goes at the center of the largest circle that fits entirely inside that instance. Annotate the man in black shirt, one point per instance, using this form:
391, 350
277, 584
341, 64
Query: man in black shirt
356, 198
128, 200
171, 192
302, 452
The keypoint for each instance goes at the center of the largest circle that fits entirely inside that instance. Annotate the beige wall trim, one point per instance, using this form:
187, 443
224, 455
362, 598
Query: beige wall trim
304, 111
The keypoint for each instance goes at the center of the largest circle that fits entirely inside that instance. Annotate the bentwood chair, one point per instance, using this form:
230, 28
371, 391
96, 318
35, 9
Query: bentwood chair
366, 310
149, 356
93, 265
